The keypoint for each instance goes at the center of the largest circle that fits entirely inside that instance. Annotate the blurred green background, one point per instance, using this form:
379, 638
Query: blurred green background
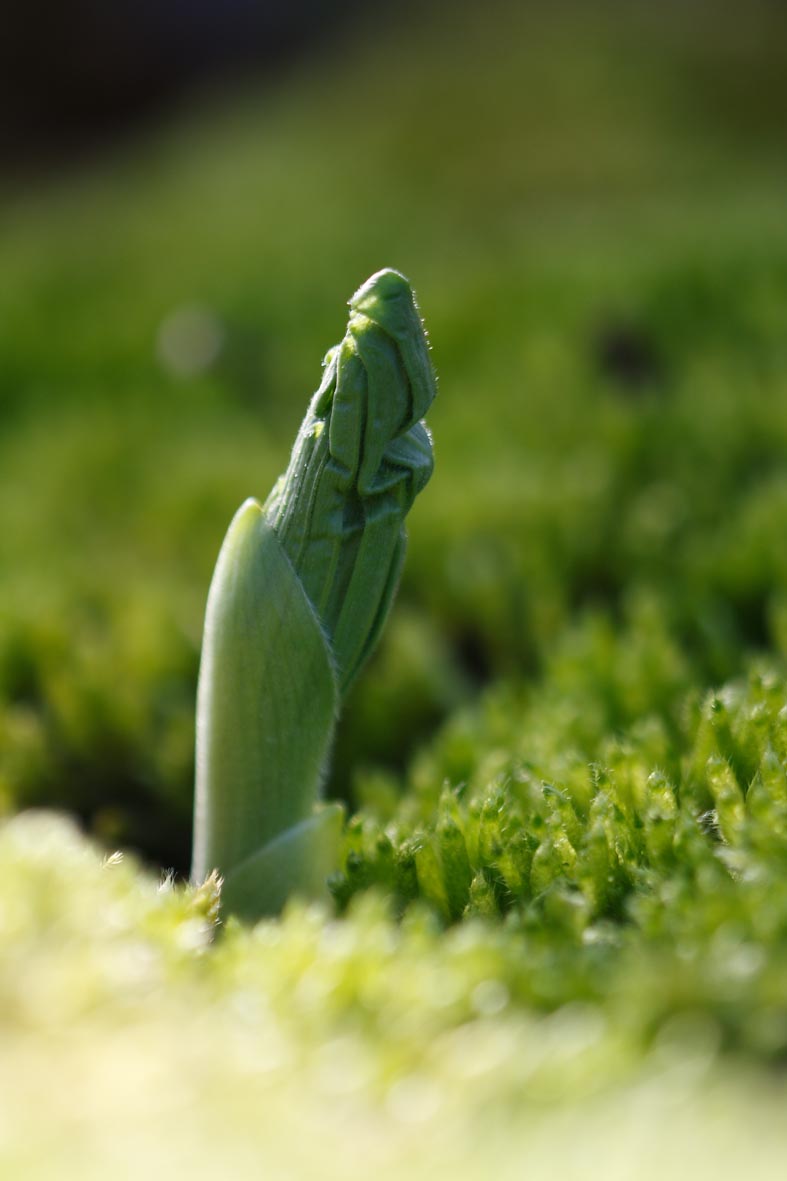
590, 200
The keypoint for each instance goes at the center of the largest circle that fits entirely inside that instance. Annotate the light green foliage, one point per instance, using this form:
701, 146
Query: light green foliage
429, 1048
299, 596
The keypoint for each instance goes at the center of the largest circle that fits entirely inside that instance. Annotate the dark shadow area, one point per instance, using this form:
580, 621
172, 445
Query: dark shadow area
76, 76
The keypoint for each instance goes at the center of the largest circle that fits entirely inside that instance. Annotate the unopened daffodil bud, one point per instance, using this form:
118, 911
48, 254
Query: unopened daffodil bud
299, 597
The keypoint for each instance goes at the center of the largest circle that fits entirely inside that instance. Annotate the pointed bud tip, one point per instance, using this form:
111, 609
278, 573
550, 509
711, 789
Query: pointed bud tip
384, 287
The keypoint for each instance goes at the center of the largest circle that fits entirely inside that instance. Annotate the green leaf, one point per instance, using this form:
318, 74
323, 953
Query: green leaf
297, 861
267, 700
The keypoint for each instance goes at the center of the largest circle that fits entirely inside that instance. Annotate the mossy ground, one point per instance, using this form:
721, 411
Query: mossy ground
561, 919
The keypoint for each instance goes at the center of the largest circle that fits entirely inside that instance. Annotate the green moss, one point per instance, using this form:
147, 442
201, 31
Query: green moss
441, 1052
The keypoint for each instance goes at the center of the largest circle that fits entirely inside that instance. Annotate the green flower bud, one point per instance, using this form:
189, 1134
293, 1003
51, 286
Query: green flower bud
299, 597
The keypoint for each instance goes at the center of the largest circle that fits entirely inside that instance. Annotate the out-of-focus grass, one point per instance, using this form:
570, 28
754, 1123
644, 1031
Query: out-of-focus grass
590, 203
561, 947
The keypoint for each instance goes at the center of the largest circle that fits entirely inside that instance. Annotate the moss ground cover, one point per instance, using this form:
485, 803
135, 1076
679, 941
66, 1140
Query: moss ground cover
561, 917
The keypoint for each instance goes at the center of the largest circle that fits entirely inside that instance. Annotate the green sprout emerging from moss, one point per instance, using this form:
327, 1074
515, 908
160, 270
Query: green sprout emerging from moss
299, 597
